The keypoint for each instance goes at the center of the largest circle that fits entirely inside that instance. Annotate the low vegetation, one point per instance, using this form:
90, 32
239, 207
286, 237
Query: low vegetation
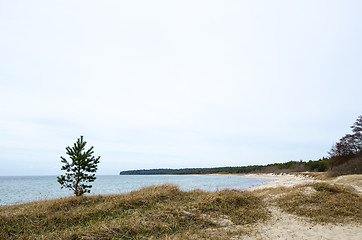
155, 212
323, 203
166, 212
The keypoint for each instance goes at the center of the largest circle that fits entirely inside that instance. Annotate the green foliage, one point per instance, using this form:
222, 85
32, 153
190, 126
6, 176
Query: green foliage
192, 171
318, 166
80, 170
314, 166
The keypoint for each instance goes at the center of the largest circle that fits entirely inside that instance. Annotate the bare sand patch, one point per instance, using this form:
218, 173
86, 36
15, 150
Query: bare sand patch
280, 180
287, 226
283, 225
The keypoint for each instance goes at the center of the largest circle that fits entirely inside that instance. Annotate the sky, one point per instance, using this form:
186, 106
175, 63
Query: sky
176, 84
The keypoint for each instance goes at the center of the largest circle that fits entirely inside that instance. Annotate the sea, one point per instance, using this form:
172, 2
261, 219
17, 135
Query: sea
22, 189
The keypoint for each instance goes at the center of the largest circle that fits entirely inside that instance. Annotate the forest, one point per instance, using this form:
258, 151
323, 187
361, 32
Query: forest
291, 166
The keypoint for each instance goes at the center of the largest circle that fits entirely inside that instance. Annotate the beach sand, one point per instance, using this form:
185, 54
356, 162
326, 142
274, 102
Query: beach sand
286, 226
281, 180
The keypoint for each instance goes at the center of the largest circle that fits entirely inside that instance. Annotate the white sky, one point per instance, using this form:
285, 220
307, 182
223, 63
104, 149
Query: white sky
176, 84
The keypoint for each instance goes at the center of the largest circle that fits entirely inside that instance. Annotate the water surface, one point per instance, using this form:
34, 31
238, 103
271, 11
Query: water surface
14, 190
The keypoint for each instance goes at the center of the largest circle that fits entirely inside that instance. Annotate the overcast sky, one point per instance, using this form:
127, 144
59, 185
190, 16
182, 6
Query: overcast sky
176, 84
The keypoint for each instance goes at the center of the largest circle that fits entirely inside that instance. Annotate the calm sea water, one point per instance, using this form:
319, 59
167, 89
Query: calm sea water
14, 190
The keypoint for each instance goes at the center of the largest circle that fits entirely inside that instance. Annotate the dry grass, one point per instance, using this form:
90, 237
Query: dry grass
354, 181
314, 175
166, 212
240, 206
154, 212
323, 203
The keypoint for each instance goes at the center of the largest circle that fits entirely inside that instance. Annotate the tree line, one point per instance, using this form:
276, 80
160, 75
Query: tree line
295, 166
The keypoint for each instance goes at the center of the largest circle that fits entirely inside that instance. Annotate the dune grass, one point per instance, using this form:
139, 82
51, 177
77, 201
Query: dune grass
166, 212
152, 212
323, 203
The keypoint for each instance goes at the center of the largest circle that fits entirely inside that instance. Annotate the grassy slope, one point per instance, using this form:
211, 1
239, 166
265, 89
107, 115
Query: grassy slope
166, 212
153, 211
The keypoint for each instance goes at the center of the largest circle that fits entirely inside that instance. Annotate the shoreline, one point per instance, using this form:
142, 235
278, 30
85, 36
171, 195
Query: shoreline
290, 180
280, 180
266, 206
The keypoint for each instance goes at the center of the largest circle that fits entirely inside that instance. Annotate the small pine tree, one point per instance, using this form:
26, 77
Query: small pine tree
80, 170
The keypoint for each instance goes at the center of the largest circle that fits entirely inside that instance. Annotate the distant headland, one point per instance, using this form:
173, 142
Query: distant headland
291, 166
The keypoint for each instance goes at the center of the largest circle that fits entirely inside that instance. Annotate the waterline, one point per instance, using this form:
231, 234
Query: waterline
15, 190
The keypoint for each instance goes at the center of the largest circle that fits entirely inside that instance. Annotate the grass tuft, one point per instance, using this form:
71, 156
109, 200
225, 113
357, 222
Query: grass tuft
323, 203
240, 206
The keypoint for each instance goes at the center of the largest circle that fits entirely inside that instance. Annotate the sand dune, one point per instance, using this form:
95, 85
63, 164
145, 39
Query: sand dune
287, 226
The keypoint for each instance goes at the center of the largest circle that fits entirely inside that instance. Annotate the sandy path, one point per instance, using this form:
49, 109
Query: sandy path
288, 226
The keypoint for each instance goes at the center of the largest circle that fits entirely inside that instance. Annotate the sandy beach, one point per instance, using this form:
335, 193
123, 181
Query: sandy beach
281, 180
283, 225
